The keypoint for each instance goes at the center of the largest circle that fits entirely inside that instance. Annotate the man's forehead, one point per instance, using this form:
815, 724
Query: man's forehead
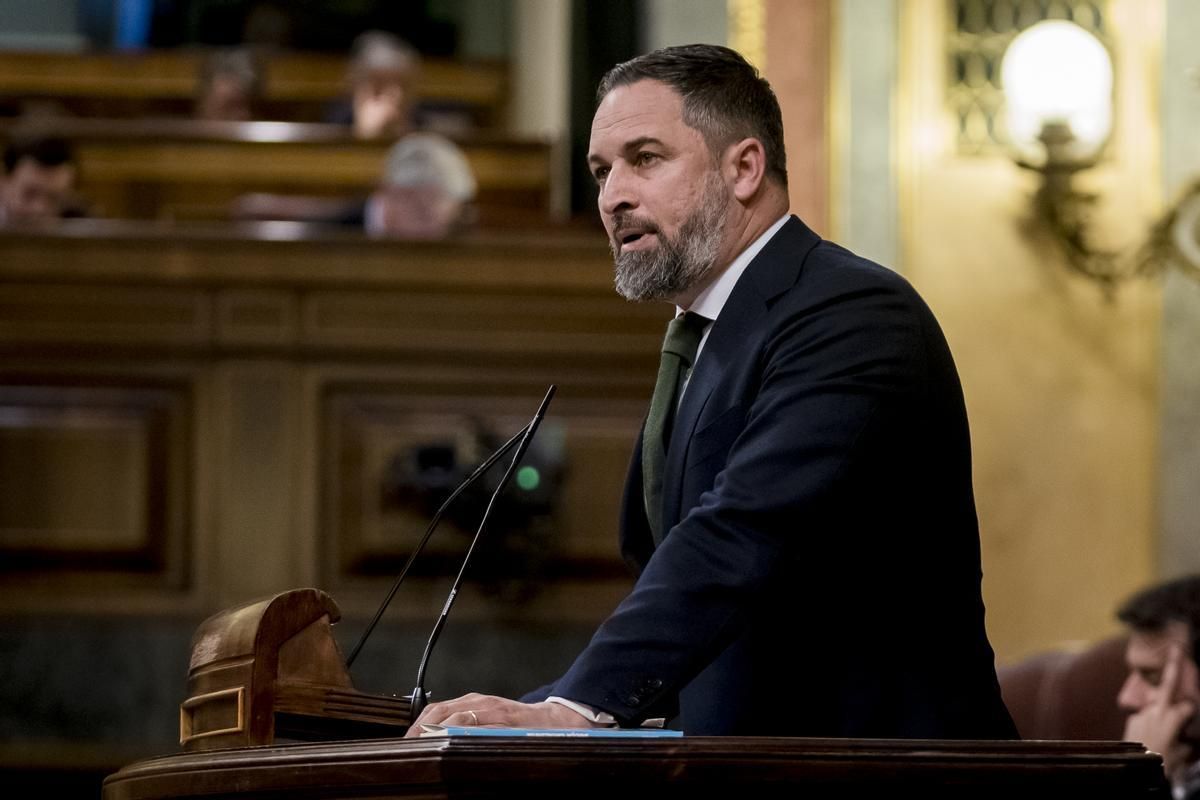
639, 91
645, 109
643, 102
1153, 645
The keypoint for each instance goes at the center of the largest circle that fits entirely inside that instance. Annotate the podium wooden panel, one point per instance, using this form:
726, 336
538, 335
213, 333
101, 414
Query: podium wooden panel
688, 767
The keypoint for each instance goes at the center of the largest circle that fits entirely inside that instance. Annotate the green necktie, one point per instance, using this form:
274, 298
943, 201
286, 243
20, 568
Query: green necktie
678, 354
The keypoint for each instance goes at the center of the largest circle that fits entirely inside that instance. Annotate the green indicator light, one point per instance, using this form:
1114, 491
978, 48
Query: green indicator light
528, 478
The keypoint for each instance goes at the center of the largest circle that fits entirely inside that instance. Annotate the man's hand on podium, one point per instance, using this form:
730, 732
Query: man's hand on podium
487, 710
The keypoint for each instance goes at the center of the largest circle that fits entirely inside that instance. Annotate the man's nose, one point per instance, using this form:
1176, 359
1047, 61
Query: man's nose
617, 192
1132, 695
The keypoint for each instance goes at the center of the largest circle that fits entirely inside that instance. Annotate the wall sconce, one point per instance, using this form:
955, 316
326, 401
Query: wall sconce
1058, 81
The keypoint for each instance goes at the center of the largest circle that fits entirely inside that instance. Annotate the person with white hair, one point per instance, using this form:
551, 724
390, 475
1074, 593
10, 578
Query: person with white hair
426, 188
425, 192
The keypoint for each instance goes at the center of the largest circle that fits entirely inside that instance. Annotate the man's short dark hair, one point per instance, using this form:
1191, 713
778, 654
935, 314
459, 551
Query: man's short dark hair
49, 151
723, 96
1152, 609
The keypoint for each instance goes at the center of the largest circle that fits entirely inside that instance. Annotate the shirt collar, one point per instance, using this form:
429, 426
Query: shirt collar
710, 302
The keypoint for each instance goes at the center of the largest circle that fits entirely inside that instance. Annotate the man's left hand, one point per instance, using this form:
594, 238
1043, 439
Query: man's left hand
497, 712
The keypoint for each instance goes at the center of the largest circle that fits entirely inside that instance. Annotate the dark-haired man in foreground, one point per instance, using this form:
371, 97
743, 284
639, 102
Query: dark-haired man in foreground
1162, 692
799, 506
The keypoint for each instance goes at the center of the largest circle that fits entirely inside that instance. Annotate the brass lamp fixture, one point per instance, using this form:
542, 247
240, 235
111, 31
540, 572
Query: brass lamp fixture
1058, 91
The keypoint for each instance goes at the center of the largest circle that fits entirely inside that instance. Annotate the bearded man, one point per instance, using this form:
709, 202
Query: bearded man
799, 507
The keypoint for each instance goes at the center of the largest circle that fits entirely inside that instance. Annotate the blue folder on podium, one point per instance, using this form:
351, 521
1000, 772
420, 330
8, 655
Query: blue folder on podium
593, 733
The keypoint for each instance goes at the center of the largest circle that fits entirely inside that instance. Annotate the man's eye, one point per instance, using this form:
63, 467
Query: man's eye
644, 158
600, 173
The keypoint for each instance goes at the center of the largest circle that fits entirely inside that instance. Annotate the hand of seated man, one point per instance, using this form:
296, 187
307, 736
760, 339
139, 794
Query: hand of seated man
487, 710
1159, 723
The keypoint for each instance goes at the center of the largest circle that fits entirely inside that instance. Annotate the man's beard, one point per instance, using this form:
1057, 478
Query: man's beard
679, 262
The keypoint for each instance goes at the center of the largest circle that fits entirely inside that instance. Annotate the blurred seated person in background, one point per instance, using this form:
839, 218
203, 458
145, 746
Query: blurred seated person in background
427, 186
229, 86
382, 77
1162, 691
425, 192
39, 180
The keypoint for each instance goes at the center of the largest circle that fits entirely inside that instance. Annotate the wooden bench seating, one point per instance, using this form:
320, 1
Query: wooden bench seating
299, 86
184, 169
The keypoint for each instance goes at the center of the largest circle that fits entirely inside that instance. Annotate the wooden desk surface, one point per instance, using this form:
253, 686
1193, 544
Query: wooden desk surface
689, 767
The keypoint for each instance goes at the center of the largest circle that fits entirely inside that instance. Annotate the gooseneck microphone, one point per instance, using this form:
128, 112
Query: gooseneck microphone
420, 697
437, 517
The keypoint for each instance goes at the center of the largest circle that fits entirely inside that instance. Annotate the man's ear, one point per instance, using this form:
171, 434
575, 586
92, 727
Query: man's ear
746, 162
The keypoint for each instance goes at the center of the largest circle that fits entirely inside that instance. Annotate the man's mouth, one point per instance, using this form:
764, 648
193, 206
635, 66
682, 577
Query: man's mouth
634, 237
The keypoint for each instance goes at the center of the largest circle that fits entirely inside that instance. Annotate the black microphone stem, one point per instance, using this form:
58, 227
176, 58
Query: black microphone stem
419, 697
437, 517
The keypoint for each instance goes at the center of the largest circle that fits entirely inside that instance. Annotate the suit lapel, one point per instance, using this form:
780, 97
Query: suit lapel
773, 271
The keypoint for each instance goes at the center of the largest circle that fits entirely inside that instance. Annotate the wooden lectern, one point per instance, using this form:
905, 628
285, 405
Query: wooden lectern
271, 669
691, 767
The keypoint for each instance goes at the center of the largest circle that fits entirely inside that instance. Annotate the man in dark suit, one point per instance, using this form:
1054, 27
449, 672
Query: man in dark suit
799, 508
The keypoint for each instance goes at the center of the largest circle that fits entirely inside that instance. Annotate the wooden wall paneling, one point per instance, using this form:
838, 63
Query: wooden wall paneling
257, 317
97, 471
257, 449
517, 324
314, 361
374, 423
134, 253
375, 434
125, 315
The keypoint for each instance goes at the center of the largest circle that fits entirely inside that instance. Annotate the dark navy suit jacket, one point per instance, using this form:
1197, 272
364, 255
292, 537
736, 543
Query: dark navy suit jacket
821, 573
